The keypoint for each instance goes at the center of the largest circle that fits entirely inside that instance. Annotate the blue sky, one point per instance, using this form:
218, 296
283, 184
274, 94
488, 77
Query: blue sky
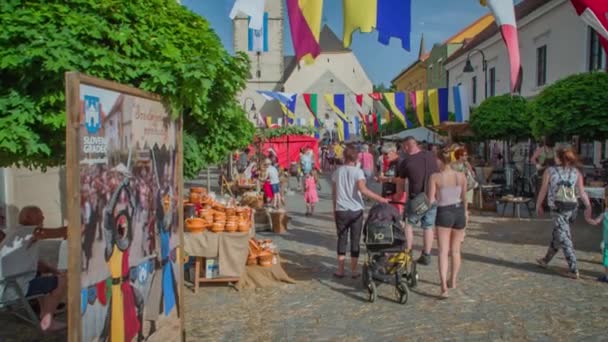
436, 19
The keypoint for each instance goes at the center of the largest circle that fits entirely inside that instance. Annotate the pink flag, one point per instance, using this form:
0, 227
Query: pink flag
504, 14
595, 14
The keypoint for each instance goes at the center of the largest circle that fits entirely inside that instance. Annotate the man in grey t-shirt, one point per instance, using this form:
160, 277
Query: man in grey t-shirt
348, 186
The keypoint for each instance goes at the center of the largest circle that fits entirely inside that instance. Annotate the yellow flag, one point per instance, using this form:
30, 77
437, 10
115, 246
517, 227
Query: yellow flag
358, 15
313, 12
420, 106
340, 130
434, 106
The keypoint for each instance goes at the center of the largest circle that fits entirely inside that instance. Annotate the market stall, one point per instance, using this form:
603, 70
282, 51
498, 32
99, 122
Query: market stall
220, 237
288, 148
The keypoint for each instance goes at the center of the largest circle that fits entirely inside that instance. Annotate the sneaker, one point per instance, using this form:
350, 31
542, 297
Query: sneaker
425, 259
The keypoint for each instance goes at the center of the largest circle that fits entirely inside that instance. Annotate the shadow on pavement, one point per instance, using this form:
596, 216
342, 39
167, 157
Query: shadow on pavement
535, 232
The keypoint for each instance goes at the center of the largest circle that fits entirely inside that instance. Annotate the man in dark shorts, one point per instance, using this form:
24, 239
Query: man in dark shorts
416, 169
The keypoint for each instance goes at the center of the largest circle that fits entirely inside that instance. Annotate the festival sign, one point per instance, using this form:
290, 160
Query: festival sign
125, 235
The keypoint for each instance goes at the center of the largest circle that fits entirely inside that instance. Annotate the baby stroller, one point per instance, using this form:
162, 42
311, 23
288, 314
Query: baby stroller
387, 261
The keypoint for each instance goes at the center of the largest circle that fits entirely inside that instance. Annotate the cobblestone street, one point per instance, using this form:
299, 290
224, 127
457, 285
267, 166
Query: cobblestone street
502, 294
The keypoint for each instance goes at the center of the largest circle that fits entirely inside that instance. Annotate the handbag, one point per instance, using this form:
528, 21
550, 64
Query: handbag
419, 205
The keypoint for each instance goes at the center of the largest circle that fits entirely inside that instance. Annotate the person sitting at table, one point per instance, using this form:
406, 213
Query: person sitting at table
544, 155
48, 281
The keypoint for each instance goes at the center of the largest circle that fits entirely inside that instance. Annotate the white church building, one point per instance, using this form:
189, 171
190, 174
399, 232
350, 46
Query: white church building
335, 70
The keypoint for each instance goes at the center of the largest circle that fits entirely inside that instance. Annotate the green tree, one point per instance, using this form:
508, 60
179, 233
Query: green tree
155, 45
501, 117
575, 105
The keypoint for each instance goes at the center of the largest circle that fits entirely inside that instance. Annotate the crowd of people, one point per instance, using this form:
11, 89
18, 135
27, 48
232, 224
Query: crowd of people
438, 184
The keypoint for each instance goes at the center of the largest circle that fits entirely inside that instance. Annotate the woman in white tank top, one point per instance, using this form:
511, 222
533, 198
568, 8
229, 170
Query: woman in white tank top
448, 189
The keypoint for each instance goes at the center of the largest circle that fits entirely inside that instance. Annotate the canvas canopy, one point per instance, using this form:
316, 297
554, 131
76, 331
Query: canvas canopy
419, 133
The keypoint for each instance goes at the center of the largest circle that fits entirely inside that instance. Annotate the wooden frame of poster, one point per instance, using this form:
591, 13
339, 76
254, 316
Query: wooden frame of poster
125, 212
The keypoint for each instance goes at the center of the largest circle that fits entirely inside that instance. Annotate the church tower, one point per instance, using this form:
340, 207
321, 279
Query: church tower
265, 51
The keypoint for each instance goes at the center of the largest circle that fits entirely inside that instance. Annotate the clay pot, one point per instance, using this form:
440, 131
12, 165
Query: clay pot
252, 260
217, 227
195, 198
195, 225
265, 258
230, 227
243, 226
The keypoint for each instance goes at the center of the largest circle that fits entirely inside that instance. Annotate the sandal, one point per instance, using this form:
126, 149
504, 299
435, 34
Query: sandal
356, 275
338, 275
542, 263
571, 275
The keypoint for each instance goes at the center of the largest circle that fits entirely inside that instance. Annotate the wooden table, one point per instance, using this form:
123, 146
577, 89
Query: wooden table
490, 189
516, 202
230, 249
199, 275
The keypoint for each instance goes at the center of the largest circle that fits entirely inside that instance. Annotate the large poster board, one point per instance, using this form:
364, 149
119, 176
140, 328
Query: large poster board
124, 167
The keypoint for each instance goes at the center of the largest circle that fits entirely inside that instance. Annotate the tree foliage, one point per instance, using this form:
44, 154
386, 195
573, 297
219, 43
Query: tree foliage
155, 45
576, 105
501, 117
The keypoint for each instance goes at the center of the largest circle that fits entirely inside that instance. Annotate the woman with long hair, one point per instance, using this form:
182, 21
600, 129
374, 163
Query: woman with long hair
448, 189
558, 185
461, 164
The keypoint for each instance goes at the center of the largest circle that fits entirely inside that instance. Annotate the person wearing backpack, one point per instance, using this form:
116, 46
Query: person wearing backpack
559, 185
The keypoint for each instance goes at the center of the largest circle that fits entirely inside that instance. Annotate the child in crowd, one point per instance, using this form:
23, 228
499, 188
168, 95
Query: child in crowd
310, 193
603, 218
315, 175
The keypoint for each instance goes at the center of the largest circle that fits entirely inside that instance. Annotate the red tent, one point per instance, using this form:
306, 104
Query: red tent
288, 148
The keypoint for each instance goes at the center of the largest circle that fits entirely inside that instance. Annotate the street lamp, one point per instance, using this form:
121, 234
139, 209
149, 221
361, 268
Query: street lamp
252, 109
468, 68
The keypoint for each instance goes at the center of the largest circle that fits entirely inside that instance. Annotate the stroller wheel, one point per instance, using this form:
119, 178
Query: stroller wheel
403, 292
412, 276
368, 283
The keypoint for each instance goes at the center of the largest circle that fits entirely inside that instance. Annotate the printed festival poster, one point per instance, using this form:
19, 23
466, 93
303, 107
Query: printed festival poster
129, 224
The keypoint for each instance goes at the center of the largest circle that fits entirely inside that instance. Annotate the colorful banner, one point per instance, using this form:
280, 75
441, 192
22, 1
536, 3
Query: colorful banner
443, 104
305, 26
311, 103
391, 18
595, 14
434, 105
289, 109
461, 103
357, 101
397, 104
377, 116
315, 123
252, 8
336, 103
504, 14
257, 40
375, 123
417, 102
283, 98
